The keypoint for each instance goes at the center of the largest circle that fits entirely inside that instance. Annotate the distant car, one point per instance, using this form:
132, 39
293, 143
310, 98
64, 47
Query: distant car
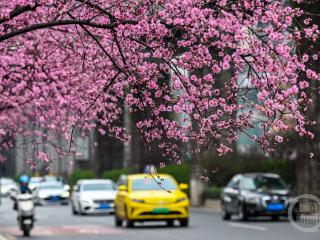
255, 194
144, 198
93, 196
35, 182
59, 179
8, 186
51, 192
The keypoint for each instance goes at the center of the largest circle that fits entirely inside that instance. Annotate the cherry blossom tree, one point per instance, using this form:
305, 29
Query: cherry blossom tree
77, 63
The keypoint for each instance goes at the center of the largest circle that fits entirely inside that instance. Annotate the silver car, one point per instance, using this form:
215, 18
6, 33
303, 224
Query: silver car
93, 196
51, 193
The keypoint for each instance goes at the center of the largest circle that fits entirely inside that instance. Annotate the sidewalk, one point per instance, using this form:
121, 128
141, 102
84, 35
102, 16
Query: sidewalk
6, 237
210, 206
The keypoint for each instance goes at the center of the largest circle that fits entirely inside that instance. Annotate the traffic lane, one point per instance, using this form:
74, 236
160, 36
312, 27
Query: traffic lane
57, 222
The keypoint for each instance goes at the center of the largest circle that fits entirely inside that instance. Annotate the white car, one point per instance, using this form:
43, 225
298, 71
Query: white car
51, 192
93, 196
8, 186
35, 182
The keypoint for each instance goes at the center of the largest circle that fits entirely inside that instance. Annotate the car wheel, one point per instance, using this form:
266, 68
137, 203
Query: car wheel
225, 215
74, 212
184, 222
170, 222
80, 210
117, 220
242, 212
129, 223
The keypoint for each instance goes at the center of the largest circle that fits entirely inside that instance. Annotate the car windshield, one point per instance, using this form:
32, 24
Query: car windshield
51, 179
51, 187
6, 181
263, 183
152, 184
35, 180
98, 187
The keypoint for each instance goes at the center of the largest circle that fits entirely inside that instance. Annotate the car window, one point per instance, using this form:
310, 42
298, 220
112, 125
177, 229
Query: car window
98, 187
269, 183
145, 184
234, 183
247, 183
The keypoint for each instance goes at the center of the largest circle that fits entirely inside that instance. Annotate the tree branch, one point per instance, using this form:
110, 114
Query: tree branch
62, 23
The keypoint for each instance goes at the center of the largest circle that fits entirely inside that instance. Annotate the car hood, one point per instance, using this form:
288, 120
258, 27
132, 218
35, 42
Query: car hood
99, 195
274, 191
157, 196
282, 192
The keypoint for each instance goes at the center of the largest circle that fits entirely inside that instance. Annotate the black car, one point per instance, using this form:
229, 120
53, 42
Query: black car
255, 194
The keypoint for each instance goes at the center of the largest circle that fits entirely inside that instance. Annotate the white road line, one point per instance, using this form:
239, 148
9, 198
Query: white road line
248, 226
6, 238
2, 237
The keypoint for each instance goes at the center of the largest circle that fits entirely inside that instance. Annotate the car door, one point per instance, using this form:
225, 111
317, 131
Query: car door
230, 195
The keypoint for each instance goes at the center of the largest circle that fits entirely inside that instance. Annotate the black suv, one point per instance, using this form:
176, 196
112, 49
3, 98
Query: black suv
255, 194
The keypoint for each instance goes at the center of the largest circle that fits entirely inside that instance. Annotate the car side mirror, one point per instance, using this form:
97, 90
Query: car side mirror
66, 187
122, 188
183, 186
74, 188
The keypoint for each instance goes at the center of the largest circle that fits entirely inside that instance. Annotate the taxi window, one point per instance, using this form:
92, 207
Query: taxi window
146, 184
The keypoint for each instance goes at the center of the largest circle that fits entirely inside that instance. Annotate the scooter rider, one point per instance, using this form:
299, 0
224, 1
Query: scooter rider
23, 203
24, 188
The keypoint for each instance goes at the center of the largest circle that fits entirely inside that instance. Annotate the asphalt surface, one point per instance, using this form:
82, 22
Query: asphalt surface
57, 222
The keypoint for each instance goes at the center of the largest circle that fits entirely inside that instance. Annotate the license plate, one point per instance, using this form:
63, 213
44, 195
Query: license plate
160, 210
104, 206
27, 221
275, 207
55, 198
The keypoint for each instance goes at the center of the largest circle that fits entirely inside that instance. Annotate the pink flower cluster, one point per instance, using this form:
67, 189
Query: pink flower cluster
189, 67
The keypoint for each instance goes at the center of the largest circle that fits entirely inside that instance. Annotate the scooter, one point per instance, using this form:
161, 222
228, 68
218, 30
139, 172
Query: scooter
25, 209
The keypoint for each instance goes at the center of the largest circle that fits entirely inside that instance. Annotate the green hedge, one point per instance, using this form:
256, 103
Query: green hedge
80, 174
114, 174
232, 164
181, 173
211, 193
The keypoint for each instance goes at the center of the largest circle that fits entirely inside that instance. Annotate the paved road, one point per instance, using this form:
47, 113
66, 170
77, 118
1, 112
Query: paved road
57, 223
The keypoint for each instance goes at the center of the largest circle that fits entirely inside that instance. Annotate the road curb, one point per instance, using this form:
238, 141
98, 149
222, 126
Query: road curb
4, 236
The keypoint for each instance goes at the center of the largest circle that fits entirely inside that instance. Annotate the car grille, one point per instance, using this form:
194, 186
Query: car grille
274, 199
103, 201
152, 213
160, 202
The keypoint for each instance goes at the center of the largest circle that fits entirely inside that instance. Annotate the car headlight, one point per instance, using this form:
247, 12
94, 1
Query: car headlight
65, 194
181, 199
42, 195
86, 200
137, 200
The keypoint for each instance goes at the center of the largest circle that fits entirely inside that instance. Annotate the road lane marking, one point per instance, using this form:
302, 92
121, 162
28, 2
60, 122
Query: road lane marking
64, 230
247, 226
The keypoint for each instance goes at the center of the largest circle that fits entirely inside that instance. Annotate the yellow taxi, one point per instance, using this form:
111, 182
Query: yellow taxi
155, 197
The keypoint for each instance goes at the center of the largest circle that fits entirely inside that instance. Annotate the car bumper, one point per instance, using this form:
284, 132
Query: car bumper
47, 201
92, 208
259, 210
148, 212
